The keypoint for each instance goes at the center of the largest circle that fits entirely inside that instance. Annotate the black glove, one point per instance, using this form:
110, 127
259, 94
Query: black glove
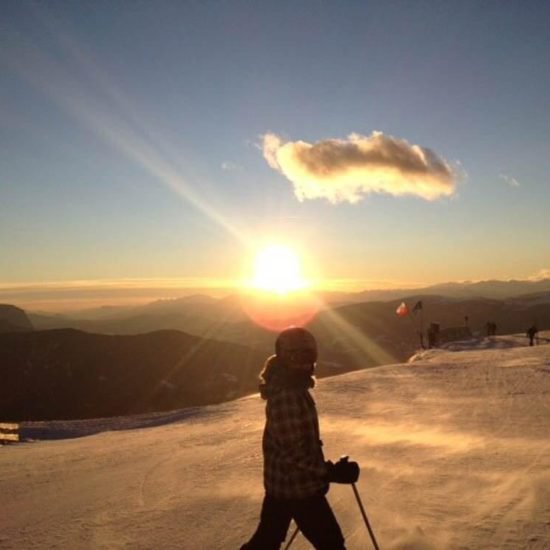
343, 471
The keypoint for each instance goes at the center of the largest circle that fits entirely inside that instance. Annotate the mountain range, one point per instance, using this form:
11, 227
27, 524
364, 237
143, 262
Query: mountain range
374, 323
199, 350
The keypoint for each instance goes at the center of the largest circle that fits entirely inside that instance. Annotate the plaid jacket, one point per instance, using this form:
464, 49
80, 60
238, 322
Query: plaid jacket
294, 465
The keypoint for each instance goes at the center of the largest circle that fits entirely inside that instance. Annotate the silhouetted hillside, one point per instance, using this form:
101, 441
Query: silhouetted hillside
373, 331
206, 316
350, 336
13, 319
72, 374
68, 374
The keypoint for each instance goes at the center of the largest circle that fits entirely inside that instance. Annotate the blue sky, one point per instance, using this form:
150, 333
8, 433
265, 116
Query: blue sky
130, 137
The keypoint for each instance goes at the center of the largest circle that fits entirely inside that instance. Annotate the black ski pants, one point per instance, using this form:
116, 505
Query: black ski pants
313, 516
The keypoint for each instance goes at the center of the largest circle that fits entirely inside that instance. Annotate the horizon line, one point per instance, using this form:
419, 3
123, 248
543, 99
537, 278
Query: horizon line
81, 294
190, 283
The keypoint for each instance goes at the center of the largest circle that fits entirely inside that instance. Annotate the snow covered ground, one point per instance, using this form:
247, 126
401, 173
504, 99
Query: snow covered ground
454, 448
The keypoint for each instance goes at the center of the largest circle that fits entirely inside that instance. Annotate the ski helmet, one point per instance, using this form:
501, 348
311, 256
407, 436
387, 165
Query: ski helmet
297, 345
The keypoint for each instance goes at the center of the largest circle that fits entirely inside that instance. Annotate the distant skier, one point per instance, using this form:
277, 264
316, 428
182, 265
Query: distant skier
532, 331
433, 335
296, 476
491, 328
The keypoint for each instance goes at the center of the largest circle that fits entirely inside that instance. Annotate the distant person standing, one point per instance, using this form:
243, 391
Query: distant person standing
433, 335
491, 328
296, 476
532, 331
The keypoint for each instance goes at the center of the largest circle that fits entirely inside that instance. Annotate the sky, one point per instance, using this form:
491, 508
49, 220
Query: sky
158, 146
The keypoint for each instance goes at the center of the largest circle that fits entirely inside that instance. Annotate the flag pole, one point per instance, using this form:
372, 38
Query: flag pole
422, 326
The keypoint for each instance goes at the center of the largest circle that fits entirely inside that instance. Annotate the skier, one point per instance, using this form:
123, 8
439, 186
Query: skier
532, 331
296, 476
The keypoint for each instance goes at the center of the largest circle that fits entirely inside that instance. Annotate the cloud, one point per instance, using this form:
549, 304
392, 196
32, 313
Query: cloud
59, 296
341, 170
540, 275
230, 166
512, 182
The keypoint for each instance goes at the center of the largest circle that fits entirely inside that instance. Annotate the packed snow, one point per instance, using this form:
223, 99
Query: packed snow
454, 448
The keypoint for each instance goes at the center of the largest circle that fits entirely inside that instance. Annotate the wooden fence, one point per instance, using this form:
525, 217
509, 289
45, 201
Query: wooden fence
9, 432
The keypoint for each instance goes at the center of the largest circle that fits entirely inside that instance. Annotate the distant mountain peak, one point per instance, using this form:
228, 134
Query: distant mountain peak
14, 319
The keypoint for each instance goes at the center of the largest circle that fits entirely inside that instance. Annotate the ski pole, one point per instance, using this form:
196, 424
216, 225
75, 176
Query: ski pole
358, 498
292, 537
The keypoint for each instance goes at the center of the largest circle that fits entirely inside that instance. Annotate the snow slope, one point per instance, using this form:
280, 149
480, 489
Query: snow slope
454, 448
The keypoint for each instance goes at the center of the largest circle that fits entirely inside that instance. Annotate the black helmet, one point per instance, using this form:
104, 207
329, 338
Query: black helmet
296, 344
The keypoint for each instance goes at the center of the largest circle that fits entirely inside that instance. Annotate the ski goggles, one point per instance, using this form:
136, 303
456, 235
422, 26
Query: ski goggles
302, 356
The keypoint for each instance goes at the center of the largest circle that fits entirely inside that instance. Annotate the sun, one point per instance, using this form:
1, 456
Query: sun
276, 294
277, 269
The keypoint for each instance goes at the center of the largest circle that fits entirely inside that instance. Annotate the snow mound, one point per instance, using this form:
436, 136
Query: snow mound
475, 344
453, 451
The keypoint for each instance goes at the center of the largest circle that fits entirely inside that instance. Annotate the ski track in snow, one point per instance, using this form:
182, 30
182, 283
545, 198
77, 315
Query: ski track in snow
454, 448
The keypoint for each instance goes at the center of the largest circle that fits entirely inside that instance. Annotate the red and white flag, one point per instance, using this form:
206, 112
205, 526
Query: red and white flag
402, 310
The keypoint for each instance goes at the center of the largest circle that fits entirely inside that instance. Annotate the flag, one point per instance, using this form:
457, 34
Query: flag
402, 310
417, 306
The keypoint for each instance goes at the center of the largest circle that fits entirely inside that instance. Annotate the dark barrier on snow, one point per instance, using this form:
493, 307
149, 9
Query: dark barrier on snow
453, 334
9, 432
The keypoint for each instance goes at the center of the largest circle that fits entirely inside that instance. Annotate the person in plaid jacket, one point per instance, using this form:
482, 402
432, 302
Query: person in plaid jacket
296, 475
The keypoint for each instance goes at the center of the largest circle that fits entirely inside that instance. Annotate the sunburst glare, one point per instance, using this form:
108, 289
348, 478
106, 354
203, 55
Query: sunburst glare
277, 269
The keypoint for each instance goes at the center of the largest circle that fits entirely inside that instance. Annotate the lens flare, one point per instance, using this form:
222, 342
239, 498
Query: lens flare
276, 312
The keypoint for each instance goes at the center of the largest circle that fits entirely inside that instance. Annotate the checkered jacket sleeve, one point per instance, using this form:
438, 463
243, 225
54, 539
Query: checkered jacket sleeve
295, 465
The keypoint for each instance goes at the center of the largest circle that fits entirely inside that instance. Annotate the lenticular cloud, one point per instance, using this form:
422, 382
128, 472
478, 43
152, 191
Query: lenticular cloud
348, 169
